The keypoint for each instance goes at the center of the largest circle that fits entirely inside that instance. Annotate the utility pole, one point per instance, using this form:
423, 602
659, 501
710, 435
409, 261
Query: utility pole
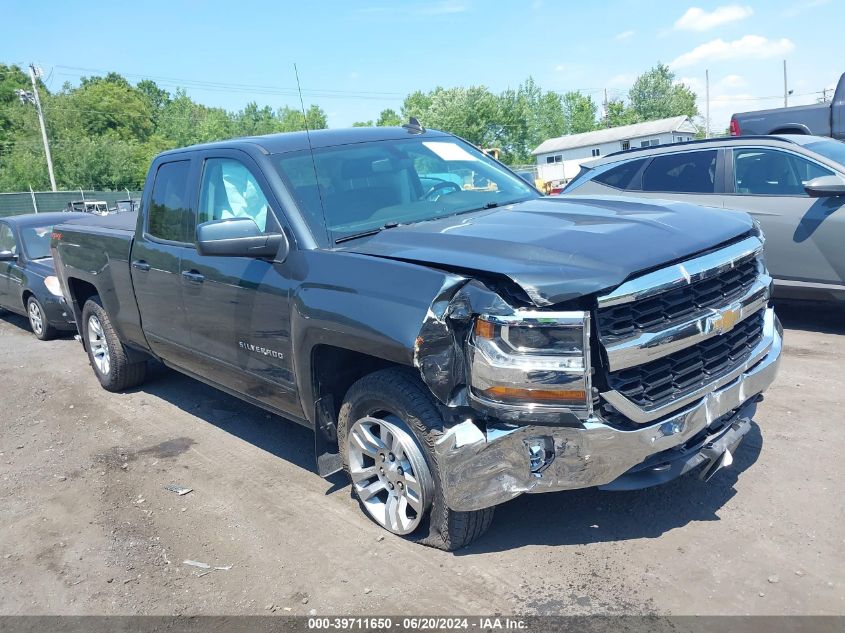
785, 93
32, 75
707, 103
606, 113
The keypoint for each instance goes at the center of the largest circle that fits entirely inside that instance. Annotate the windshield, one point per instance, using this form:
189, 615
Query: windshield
36, 241
366, 186
833, 150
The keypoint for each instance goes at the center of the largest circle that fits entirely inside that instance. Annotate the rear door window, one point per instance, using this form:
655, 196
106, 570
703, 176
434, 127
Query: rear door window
169, 205
685, 172
621, 176
769, 172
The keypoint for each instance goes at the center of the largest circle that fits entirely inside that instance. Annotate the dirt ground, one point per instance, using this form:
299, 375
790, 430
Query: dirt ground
86, 526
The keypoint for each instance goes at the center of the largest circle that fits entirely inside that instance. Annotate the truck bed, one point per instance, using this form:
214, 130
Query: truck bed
118, 221
96, 250
819, 119
806, 119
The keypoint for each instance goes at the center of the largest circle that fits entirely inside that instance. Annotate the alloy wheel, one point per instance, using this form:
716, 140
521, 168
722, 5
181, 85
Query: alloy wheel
98, 346
36, 319
389, 474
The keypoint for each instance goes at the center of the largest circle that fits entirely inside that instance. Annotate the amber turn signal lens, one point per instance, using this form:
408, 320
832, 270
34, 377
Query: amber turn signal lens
484, 329
536, 395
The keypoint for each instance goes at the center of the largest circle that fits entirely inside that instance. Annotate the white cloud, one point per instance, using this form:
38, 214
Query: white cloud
693, 83
624, 35
732, 81
446, 7
398, 10
622, 80
723, 85
747, 47
696, 19
801, 7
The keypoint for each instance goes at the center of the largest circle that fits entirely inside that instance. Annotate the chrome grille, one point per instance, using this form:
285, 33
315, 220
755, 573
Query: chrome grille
674, 305
669, 334
657, 382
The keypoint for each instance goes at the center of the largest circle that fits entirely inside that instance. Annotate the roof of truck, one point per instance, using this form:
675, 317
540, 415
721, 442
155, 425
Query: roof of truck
296, 141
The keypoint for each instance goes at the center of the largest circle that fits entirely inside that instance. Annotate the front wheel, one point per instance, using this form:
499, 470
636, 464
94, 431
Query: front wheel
105, 351
387, 428
38, 320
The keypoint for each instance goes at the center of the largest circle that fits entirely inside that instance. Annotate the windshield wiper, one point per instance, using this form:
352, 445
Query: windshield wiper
367, 233
492, 204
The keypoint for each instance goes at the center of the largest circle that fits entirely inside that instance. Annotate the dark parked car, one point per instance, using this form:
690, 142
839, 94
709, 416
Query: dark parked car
819, 119
452, 347
793, 185
28, 285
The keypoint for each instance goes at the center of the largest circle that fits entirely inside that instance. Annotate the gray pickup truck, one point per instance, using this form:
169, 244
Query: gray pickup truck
818, 119
453, 338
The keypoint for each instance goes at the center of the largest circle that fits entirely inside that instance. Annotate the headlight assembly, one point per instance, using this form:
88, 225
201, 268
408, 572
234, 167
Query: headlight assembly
52, 283
532, 360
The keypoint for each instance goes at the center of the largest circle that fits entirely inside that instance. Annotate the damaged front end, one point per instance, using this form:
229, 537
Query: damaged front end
534, 401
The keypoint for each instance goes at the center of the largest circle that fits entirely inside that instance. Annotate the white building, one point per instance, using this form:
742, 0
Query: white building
560, 158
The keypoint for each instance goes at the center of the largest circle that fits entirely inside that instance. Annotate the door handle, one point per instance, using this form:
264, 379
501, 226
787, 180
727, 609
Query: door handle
140, 264
193, 276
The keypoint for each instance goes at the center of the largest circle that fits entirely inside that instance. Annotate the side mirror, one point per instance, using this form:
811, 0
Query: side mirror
8, 256
825, 187
240, 237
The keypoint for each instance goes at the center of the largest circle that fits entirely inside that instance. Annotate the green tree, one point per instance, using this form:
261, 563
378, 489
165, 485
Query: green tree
656, 95
12, 78
579, 112
619, 114
471, 113
107, 105
291, 119
389, 118
158, 98
254, 121
98, 163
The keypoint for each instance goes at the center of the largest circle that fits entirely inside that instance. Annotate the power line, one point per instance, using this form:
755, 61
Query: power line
219, 85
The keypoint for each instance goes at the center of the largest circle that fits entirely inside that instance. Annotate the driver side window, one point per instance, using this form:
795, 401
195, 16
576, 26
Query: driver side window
7, 239
229, 190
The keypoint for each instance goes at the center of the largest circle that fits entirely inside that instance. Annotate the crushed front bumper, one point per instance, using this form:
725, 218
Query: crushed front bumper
479, 469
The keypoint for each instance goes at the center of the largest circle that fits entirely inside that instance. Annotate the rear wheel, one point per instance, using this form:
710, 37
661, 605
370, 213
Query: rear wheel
38, 320
106, 353
387, 428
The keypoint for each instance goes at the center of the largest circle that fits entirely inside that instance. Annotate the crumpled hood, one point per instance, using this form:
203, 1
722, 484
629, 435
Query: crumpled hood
558, 249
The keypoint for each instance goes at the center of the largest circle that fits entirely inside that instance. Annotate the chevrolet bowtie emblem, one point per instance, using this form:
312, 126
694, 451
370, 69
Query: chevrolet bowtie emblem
725, 321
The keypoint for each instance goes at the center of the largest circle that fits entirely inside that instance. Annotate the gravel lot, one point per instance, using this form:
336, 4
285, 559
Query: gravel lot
87, 527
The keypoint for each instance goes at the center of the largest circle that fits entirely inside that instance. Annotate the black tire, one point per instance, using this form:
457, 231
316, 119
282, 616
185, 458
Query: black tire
43, 331
400, 393
122, 374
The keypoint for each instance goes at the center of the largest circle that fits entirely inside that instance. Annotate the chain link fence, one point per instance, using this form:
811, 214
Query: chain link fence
20, 202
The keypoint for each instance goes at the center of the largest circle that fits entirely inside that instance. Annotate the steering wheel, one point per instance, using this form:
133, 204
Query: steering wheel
443, 184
